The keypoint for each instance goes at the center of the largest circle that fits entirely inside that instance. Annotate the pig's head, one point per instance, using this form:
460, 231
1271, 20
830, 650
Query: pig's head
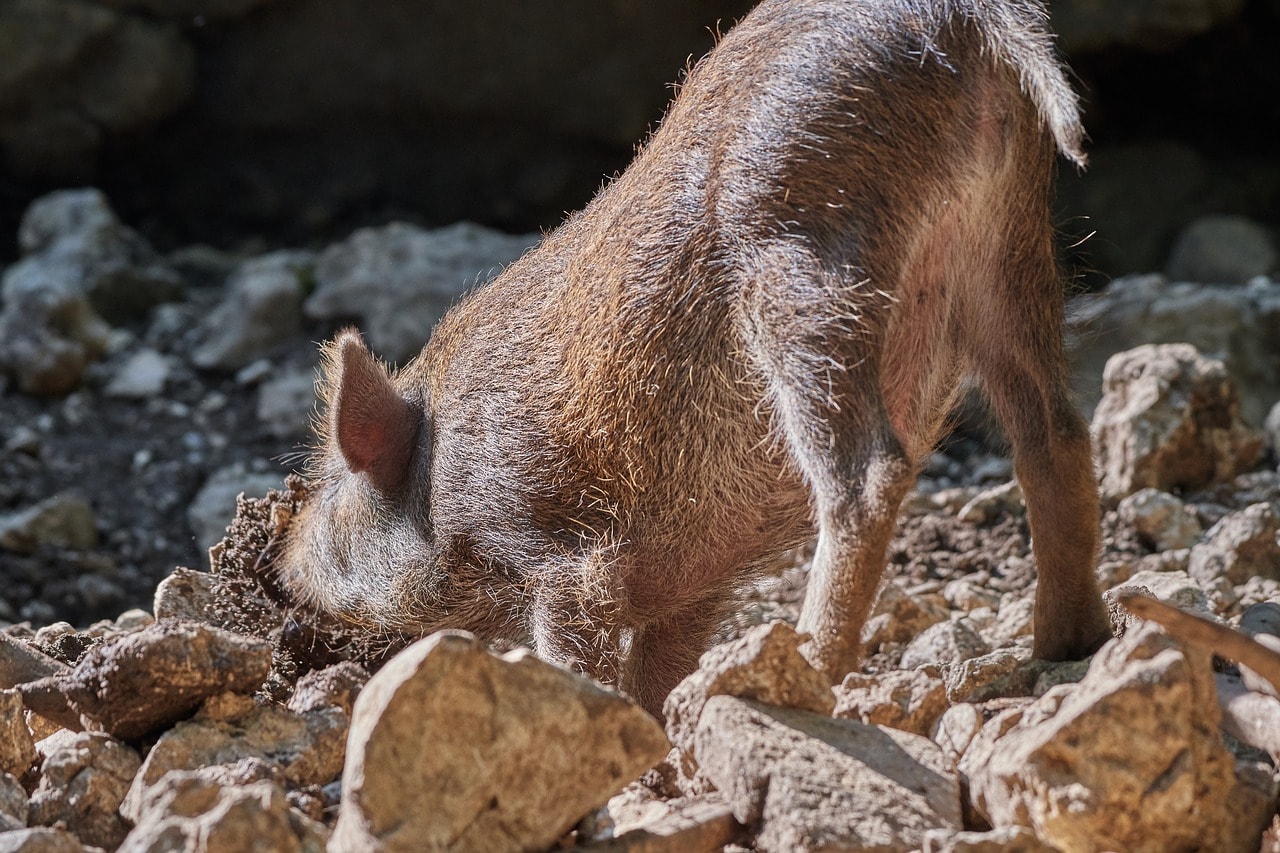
361, 544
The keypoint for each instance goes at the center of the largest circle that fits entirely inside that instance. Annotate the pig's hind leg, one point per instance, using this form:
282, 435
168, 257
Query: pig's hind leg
815, 336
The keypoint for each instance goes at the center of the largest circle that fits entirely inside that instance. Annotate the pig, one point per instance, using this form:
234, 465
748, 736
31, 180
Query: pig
755, 333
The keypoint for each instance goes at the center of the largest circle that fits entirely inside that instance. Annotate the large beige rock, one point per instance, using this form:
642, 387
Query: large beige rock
1130, 759
454, 747
764, 664
814, 783
1170, 418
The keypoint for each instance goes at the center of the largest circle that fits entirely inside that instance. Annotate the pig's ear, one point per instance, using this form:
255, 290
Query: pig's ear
375, 428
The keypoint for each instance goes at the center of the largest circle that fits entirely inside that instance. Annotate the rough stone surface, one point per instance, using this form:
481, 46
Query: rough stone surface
307, 748
944, 642
764, 664
639, 823
1233, 323
1169, 418
1067, 765
334, 686
814, 783
82, 783
139, 682
899, 616
40, 839
909, 700
1163, 521
398, 280
261, 311
1009, 839
1172, 587
185, 595
1243, 545
956, 729
453, 745
17, 751
13, 800
188, 812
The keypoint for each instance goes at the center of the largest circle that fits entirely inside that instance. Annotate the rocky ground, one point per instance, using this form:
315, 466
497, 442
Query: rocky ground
142, 392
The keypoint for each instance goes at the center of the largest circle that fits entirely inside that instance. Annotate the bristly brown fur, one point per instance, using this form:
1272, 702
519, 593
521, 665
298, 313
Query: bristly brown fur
756, 330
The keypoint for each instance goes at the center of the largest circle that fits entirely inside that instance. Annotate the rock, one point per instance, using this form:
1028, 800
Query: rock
700, 824
764, 664
1222, 250
1244, 545
1130, 759
399, 279
49, 334
286, 404
82, 783
187, 812
74, 238
809, 782
134, 684
1010, 839
63, 521
990, 504
334, 686
1169, 418
1271, 425
13, 800
967, 595
956, 729
141, 377
40, 839
908, 700
453, 745
899, 616
1231, 323
17, 751
1161, 520
306, 749
76, 73
185, 595
215, 504
1176, 588
81, 270
20, 662
971, 679
945, 642
262, 310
